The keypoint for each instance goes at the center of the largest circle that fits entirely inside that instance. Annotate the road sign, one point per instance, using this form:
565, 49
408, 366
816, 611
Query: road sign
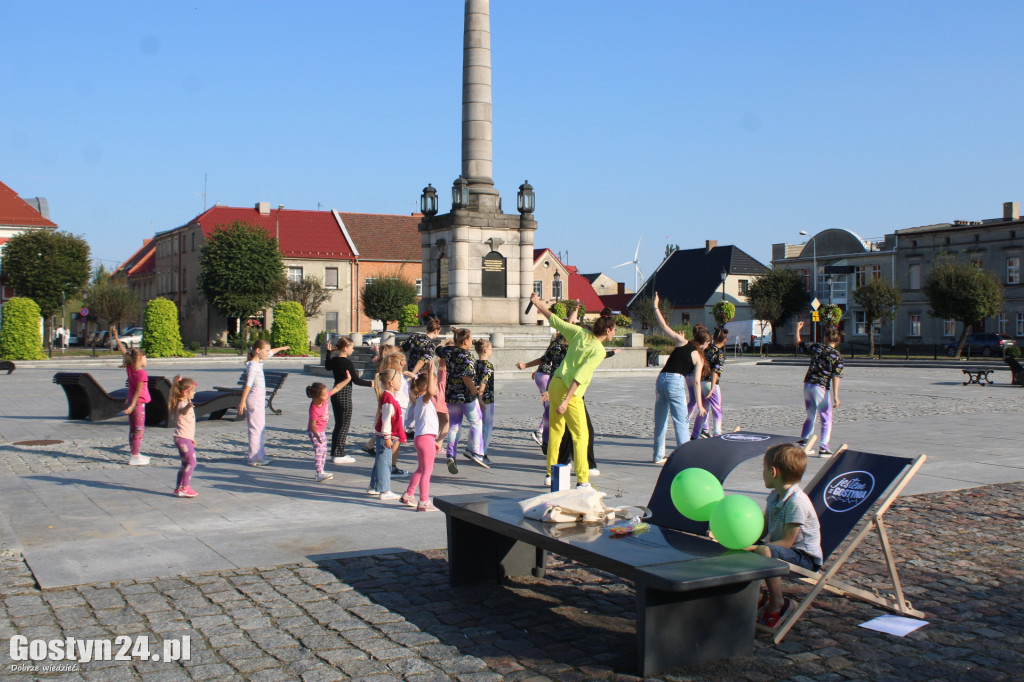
815, 316
815, 304
84, 312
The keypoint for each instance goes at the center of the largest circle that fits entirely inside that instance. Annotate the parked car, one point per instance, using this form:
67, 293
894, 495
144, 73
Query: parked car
986, 344
131, 336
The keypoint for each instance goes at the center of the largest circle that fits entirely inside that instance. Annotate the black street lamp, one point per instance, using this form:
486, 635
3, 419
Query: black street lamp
428, 201
525, 199
460, 193
725, 275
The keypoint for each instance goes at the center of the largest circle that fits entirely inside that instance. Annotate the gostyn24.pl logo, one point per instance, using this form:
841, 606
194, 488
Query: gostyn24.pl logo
123, 648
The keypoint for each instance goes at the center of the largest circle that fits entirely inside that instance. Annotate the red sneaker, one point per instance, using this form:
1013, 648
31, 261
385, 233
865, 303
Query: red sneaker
771, 620
187, 492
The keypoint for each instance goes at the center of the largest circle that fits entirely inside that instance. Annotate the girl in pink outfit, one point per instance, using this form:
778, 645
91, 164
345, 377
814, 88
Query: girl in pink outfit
254, 399
138, 396
317, 428
424, 387
182, 391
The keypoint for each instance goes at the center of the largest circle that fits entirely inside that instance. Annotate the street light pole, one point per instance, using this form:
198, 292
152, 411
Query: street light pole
814, 278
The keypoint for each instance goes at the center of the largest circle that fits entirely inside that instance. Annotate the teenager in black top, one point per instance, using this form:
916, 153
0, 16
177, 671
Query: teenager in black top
345, 375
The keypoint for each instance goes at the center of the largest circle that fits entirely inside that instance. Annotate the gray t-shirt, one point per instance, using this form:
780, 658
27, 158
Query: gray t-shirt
796, 508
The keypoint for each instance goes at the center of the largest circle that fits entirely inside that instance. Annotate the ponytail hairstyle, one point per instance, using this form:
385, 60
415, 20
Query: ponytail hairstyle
420, 383
701, 335
721, 334
260, 343
315, 390
382, 381
606, 312
460, 336
603, 324
433, 324
481, 345
343, 343
392, 361
133, 358
831, 334
179, 387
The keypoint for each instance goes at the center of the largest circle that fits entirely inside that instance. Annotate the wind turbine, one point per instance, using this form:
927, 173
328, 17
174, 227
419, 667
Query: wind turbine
638, 275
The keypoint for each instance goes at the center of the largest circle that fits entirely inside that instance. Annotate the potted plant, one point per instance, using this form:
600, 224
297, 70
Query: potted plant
723, 312
830, 314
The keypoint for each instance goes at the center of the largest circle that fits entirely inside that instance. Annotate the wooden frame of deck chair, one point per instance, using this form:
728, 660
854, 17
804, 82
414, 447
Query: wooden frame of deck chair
853, 486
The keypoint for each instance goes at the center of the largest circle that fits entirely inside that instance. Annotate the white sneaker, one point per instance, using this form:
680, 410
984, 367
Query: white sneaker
388, 495
583, 485
547, 481
661, 462
324, 476
595, 472
538, 437
138, 460
347, 459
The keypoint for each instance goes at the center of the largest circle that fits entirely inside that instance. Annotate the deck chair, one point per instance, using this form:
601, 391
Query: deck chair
852, 486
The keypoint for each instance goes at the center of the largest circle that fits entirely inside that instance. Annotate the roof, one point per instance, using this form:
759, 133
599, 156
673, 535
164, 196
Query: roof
385, 237
142, 262
688, 277
300, 234
580, 288
619, 303
16, 212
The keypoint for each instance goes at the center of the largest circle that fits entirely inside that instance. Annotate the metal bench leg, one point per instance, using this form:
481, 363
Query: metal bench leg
677, 629
270, 404
476, 554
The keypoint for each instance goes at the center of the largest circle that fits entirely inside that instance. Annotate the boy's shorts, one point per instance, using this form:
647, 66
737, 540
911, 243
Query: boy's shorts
795, 557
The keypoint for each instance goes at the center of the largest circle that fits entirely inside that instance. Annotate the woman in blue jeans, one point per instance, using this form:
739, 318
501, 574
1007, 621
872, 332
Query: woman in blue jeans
676, 389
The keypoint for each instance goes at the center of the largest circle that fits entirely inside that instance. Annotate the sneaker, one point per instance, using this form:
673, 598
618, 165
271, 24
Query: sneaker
347, 459
547, 481
373, 492
187, 492
661, 461
425, 507
583, 485
477, 459
487, 461
771, 620
138, 460
452, 467
395, 471
259, 462
595, 472
823, 451
323, 476
388, 495
410, 434
802, 442
705, 434
538, 437
408, 500
368, 449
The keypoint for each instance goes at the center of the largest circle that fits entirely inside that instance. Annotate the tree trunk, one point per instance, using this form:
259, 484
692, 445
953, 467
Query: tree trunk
960, 342
871, 342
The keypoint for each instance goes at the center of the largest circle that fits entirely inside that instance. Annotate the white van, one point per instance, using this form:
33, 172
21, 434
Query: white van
748, 334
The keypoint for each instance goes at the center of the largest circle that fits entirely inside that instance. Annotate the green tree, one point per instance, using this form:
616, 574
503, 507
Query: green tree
161, 336
643, 311
20, 337
310, 293
962, 292
47, 266
241, 270
384, 297
112, 300
776, 296
880, 301
289, 328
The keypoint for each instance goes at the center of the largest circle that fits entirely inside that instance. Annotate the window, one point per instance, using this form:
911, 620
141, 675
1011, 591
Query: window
1013, 270
331, 278
419, 287
949, 327
184, 279
294, 274
1020, 324
368, 281
538, 287
876, 272
331, 322
860, 326
807, 279
978, 261
915, 325
1003, 323
858, 276
193, 241
744, 286
914, 273
556, 287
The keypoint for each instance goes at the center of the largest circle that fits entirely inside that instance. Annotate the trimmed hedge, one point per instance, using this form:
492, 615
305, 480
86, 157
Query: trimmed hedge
161, 336
20, 336
289, 328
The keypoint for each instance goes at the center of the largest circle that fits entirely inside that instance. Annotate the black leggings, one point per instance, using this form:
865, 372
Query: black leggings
341, 405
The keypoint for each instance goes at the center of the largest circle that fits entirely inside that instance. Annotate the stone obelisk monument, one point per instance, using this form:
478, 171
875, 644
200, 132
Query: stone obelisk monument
477, 261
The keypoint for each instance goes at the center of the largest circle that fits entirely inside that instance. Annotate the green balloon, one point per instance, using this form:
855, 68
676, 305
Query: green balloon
695, 492
737, 522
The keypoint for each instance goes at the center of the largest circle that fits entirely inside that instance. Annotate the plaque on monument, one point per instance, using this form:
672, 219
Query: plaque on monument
442, 277
492, 280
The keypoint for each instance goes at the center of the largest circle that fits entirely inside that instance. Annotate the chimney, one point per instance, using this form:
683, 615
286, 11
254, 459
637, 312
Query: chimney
1011, 210
710, 244
263, 207
622, 288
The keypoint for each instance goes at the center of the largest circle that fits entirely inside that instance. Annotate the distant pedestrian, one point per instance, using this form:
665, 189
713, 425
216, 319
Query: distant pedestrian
387, 432
823, 375
461, 395
184, 415
485, 392
710, 423
345, 374
316, 428
138, 396
254, 399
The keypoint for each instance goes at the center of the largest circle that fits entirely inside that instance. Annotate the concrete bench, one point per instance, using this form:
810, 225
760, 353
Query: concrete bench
8, 365
88, 400
274, 379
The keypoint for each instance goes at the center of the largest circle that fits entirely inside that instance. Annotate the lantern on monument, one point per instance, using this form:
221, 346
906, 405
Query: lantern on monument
525, 198
460, 193
428, 201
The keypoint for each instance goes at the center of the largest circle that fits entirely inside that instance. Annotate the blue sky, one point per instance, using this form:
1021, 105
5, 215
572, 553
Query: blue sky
744, 122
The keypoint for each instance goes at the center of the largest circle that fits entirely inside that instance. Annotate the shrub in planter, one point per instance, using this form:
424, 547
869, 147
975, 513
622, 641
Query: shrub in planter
1013, 352
20, 335
409, 317
723, 312
558, 308
623, 321
161, 337
289, 328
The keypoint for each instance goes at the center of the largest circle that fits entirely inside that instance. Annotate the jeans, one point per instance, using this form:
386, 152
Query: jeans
487, 414
817, 401
670, 396
471, 413
380, 475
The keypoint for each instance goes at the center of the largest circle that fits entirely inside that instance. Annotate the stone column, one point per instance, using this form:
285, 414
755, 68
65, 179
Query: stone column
476, 106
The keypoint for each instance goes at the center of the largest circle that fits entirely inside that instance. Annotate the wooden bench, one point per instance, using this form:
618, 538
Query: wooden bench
8, 365
88, 400
695, 600
274, 380
216, 402
977, 376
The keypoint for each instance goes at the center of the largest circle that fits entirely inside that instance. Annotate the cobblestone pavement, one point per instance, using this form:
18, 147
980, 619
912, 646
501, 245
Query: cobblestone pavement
394, 617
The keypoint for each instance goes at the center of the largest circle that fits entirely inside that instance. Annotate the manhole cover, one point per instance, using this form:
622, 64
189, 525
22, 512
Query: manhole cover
40, 442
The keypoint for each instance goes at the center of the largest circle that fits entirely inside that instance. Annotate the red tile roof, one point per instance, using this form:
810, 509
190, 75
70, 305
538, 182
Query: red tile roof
142, 262
300, 234
385, 237
580, 288
15, 212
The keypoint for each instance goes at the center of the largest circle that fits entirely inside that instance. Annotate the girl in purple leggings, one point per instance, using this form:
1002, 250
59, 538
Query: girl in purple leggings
182, 391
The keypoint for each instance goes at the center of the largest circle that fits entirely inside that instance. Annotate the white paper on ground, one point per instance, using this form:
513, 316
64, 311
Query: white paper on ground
894, 625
